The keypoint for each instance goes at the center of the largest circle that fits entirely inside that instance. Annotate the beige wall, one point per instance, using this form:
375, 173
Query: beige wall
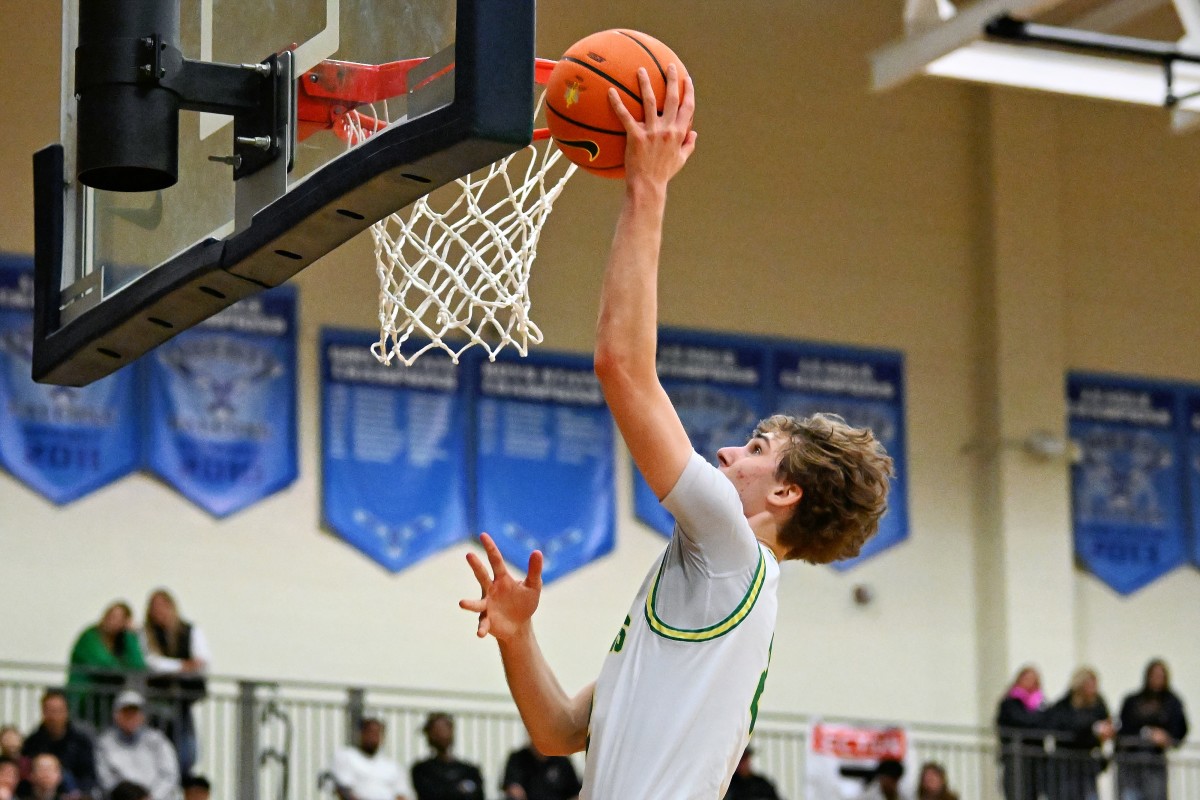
895, 221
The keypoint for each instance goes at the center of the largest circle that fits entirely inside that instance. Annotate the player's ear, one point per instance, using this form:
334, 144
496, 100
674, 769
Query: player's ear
785, 494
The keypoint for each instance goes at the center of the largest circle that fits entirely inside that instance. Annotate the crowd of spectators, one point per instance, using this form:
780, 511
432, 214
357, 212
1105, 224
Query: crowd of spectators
101, 739
1058, 749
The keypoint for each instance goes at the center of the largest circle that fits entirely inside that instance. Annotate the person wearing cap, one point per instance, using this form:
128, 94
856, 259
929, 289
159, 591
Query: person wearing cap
886, 784
132, 751
364, 773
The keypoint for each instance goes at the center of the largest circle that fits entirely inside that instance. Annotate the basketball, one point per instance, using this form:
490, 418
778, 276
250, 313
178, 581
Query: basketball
578, 113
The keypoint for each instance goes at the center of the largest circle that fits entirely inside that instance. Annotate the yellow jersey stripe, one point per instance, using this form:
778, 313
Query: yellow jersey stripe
712, 631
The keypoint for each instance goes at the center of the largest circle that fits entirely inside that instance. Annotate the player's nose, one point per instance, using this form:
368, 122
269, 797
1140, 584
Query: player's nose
726, 456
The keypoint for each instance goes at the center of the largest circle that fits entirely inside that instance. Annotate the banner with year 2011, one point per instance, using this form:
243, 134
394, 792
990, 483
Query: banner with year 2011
393, 450
866, 388
221, 405
1129, 483
716, 384
63, 442
544, 461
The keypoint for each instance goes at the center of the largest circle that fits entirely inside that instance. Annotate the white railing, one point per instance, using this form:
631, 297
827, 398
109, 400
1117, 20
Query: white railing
272, 740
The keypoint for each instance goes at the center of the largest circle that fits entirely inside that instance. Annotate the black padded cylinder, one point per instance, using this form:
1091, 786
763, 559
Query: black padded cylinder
127, 126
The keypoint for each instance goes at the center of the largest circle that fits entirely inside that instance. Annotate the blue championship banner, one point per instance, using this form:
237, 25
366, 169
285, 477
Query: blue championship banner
544, 468
221, 405
393, 450
60, 441
716, 385
865, 387
1128, 486
1192, 426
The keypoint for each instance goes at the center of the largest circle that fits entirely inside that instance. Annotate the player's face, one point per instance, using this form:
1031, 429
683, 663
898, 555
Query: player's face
752, 469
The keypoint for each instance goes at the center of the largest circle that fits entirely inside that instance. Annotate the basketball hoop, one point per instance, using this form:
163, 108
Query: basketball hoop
454, 266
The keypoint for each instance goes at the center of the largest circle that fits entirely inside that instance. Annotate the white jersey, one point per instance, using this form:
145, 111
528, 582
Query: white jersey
678, 694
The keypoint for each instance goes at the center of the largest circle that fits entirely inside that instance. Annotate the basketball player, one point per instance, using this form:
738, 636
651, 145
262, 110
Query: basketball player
676, 700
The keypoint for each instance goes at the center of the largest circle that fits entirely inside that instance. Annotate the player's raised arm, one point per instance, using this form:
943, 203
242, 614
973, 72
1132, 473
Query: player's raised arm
626, 334
557, 723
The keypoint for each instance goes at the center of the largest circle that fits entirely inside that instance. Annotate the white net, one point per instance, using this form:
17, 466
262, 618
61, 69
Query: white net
454, 266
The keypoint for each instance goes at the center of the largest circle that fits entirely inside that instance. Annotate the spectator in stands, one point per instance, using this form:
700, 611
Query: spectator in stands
10, 776
933, 784
68, 743
45, 781
196, 787
747, 784
529, 774
128, 790
1021, 724
363, 773
133, 751
443, 777
102, 657
1152, 721
10, 747
177, 654
1081, 724
886, 783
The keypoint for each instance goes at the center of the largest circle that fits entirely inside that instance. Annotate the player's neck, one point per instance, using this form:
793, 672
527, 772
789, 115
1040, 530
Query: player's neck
766, 530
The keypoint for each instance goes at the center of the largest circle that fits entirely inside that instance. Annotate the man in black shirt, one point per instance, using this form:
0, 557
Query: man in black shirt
530, 775
443, 777
749, 785
61, 738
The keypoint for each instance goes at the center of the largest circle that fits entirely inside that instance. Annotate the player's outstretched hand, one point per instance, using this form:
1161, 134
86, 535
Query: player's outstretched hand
658, 146
506, 604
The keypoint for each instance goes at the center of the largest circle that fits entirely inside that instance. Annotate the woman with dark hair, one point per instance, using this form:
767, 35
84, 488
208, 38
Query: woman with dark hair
1021, 725
178, 655
932, 784
1082, 725
1152, 721
101, 660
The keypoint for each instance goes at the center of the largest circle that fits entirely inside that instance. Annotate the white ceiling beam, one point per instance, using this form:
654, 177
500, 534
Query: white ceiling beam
895, 63
1066, 72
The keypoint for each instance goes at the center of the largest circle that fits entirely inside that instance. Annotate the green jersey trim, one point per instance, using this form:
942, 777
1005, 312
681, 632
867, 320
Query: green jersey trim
712, 631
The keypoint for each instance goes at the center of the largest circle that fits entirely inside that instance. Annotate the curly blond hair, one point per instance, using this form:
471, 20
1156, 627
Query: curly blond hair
844, 475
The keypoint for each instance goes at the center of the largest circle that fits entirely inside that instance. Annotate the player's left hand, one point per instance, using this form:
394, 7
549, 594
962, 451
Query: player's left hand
507, 604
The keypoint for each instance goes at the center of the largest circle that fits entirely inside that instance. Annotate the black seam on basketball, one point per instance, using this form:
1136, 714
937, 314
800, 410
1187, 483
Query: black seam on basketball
606, 77
602, 169
585, 126
661, 70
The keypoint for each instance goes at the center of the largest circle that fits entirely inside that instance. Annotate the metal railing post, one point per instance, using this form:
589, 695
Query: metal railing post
247, 741
356, 707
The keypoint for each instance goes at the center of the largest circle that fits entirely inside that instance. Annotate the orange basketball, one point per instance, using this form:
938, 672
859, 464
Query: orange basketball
580, 119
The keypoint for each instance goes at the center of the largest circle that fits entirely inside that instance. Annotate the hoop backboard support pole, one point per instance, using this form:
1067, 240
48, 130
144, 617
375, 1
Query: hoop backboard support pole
489, 117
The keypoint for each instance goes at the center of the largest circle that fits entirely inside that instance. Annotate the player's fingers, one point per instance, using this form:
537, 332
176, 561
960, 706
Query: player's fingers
481, 573
485, 625
649, 101
687, 105
533, 577
671, 99
494, 557
689, 145
618, 107
478, 606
